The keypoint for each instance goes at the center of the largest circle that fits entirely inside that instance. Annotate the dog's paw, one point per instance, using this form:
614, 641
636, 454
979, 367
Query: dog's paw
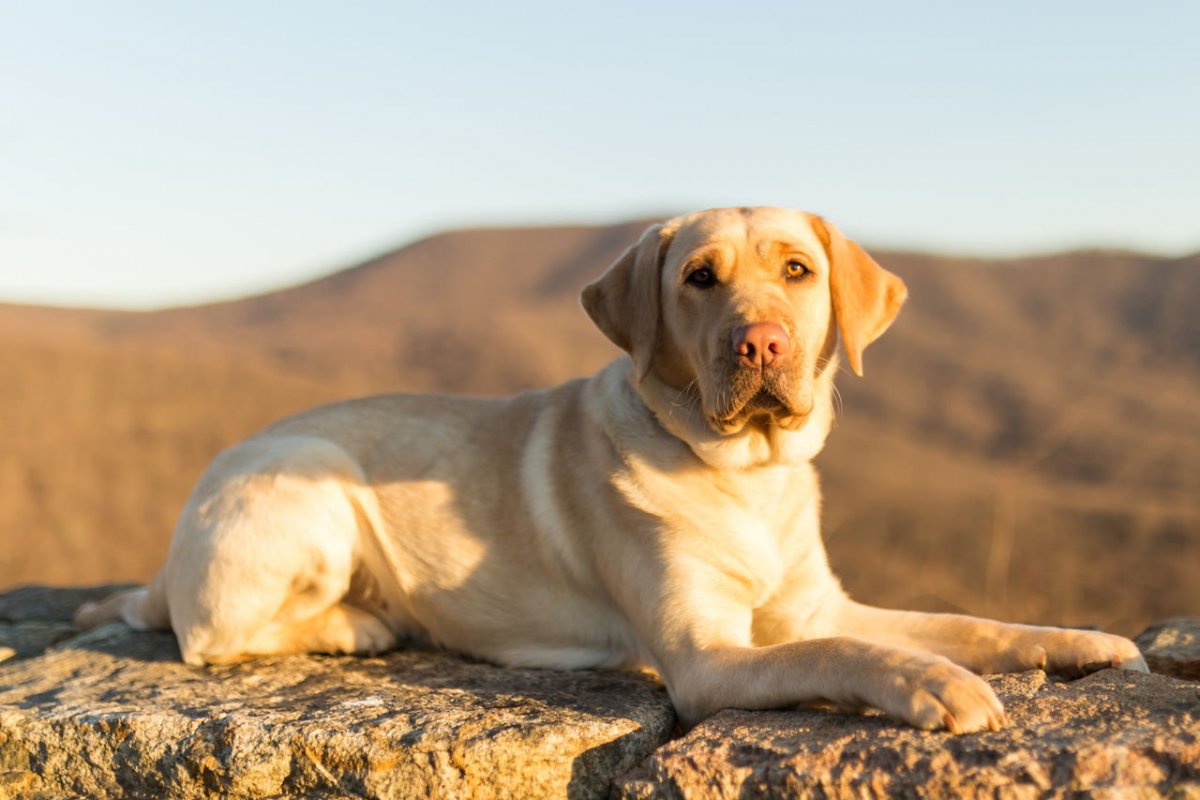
370, 636
931, 692
341, 628
1077, 653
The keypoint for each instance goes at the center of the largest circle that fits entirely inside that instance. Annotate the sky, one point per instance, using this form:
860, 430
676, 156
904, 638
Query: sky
156, 154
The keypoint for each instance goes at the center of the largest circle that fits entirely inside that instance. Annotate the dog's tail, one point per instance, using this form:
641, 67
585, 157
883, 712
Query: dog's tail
143, 608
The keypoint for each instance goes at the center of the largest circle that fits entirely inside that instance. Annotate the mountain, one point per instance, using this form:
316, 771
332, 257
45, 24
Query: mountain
1026, 441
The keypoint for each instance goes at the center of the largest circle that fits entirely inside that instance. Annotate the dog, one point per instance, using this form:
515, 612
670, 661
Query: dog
662, 513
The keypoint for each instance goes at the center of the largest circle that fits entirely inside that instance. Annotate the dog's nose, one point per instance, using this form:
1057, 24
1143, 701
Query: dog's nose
760, 344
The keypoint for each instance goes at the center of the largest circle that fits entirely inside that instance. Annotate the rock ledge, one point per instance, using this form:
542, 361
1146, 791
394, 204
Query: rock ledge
114, 713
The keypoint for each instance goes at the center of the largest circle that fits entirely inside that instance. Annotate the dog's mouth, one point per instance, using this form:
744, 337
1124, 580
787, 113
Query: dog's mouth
758, 396
764, 401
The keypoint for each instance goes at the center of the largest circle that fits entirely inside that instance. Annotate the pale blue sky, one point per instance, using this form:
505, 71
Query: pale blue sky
169, 152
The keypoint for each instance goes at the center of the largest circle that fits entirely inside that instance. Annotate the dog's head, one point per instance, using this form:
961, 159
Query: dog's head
741, 308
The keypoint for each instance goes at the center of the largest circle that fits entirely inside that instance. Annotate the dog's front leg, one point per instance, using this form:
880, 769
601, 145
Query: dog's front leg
986, 646
698, 627
922, 689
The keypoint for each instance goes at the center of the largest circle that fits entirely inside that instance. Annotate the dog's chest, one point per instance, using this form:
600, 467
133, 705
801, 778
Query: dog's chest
744, 548
746, 529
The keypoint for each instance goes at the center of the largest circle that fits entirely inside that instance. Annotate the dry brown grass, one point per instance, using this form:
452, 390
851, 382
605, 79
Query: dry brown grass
1025, 443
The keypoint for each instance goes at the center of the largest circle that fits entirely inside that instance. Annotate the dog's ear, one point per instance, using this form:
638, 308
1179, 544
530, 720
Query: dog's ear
624, 301
866, 297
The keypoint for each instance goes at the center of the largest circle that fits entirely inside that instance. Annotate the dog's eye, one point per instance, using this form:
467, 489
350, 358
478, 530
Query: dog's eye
703, 277
796, 269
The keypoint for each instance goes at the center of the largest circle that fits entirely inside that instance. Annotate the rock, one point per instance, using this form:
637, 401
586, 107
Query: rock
50, 604
1172, 647
26, 639
114, 713
1111, 734
34, 618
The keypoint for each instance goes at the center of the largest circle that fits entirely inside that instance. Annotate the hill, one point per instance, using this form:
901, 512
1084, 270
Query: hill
1026, 442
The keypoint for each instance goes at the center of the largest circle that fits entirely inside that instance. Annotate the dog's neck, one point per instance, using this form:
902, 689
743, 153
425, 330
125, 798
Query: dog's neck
754, 445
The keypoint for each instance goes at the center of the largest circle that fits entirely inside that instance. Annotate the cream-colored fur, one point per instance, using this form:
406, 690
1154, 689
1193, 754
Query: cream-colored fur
662, 513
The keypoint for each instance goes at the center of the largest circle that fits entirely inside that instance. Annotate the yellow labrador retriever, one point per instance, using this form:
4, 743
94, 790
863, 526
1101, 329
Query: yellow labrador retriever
661, 513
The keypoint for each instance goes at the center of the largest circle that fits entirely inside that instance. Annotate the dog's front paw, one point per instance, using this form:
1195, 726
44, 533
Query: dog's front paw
1078, 653
931, 692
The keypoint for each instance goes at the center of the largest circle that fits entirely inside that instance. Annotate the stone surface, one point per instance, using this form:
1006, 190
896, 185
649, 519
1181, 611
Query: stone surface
49, 603
34, 618
1112, 734
114, 713
26, 639
1172, 647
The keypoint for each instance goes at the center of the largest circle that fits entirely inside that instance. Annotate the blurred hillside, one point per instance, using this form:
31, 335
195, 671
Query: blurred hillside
1026, 442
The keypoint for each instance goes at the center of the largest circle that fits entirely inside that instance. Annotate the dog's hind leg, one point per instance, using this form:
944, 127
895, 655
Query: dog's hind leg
264, 556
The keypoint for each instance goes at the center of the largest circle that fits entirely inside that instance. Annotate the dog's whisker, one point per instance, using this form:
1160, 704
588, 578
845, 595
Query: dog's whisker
691, 397
838, 404
686, 390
